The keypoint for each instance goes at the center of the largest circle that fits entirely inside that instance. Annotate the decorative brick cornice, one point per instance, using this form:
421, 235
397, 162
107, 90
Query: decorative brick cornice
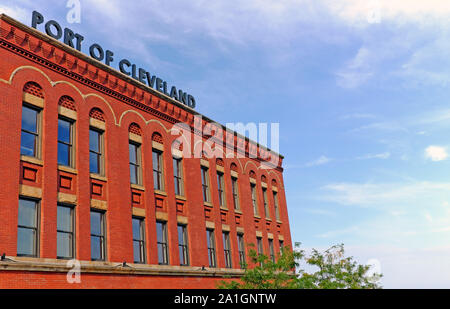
54, 55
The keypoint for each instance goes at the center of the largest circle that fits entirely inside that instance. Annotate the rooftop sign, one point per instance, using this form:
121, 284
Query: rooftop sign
75, 40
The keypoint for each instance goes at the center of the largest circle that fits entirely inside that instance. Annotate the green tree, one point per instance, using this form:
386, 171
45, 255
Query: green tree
332, 271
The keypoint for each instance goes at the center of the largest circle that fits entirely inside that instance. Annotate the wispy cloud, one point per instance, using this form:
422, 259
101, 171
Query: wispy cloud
385, 194
319, 161
357, 71
15, 11
358, 116
384, 155
320, 212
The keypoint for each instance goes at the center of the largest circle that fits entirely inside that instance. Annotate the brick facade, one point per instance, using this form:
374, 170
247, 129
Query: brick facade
40, 71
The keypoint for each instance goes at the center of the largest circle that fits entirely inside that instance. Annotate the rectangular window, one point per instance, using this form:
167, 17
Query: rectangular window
178, 176
234, 187
183, 245
65, 142
65, 243
205, 184
277, 209
266, 204
138, 240
98, 245
254, 202
281, 246
227, 249
30, 141
221, 190
241, 249
96, 152
158, 177
271, 251
259, 245
135, 163
163, 248
28, 228
211, 247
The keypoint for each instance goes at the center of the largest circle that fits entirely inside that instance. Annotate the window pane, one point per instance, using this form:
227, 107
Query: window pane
64, 215
133, 174
160, 232
94, 140
63, 154
175, 167
28, 144
182, 257
96, 248
64, 245
156, 180
133, 153
177, 187
64, 131
180, 235
137, 252
156, 159
26, 241
137, 229
96, 224
27, 213
94, 163
160, 253
204, 182
29, 119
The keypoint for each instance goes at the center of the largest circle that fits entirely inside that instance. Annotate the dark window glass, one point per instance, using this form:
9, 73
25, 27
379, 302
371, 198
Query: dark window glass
211, 247
97, 236
221, 189
30, 132
183, 245
260, 246
135, 163
65, 232
277, 209
178, 176
27, 233
266, 204
138, 240
241, 249
95, 151
158, 170
205, 184
163, 248
65, 143
227, 249
271, 250
281, 246
254, 202
234, 187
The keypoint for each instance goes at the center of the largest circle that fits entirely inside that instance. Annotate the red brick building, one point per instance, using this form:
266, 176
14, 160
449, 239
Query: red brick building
88, 173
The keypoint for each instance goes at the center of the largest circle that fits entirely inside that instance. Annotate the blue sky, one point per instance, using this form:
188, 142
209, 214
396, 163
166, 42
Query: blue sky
359, 87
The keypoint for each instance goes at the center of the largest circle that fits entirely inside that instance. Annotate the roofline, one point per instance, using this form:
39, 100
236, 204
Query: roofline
116, 73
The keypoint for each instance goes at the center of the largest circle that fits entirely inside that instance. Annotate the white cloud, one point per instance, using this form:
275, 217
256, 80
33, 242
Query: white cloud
436, 153
384, 155
14, 12
401, 267
356, 12
386, 194
319, 161
357, 71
